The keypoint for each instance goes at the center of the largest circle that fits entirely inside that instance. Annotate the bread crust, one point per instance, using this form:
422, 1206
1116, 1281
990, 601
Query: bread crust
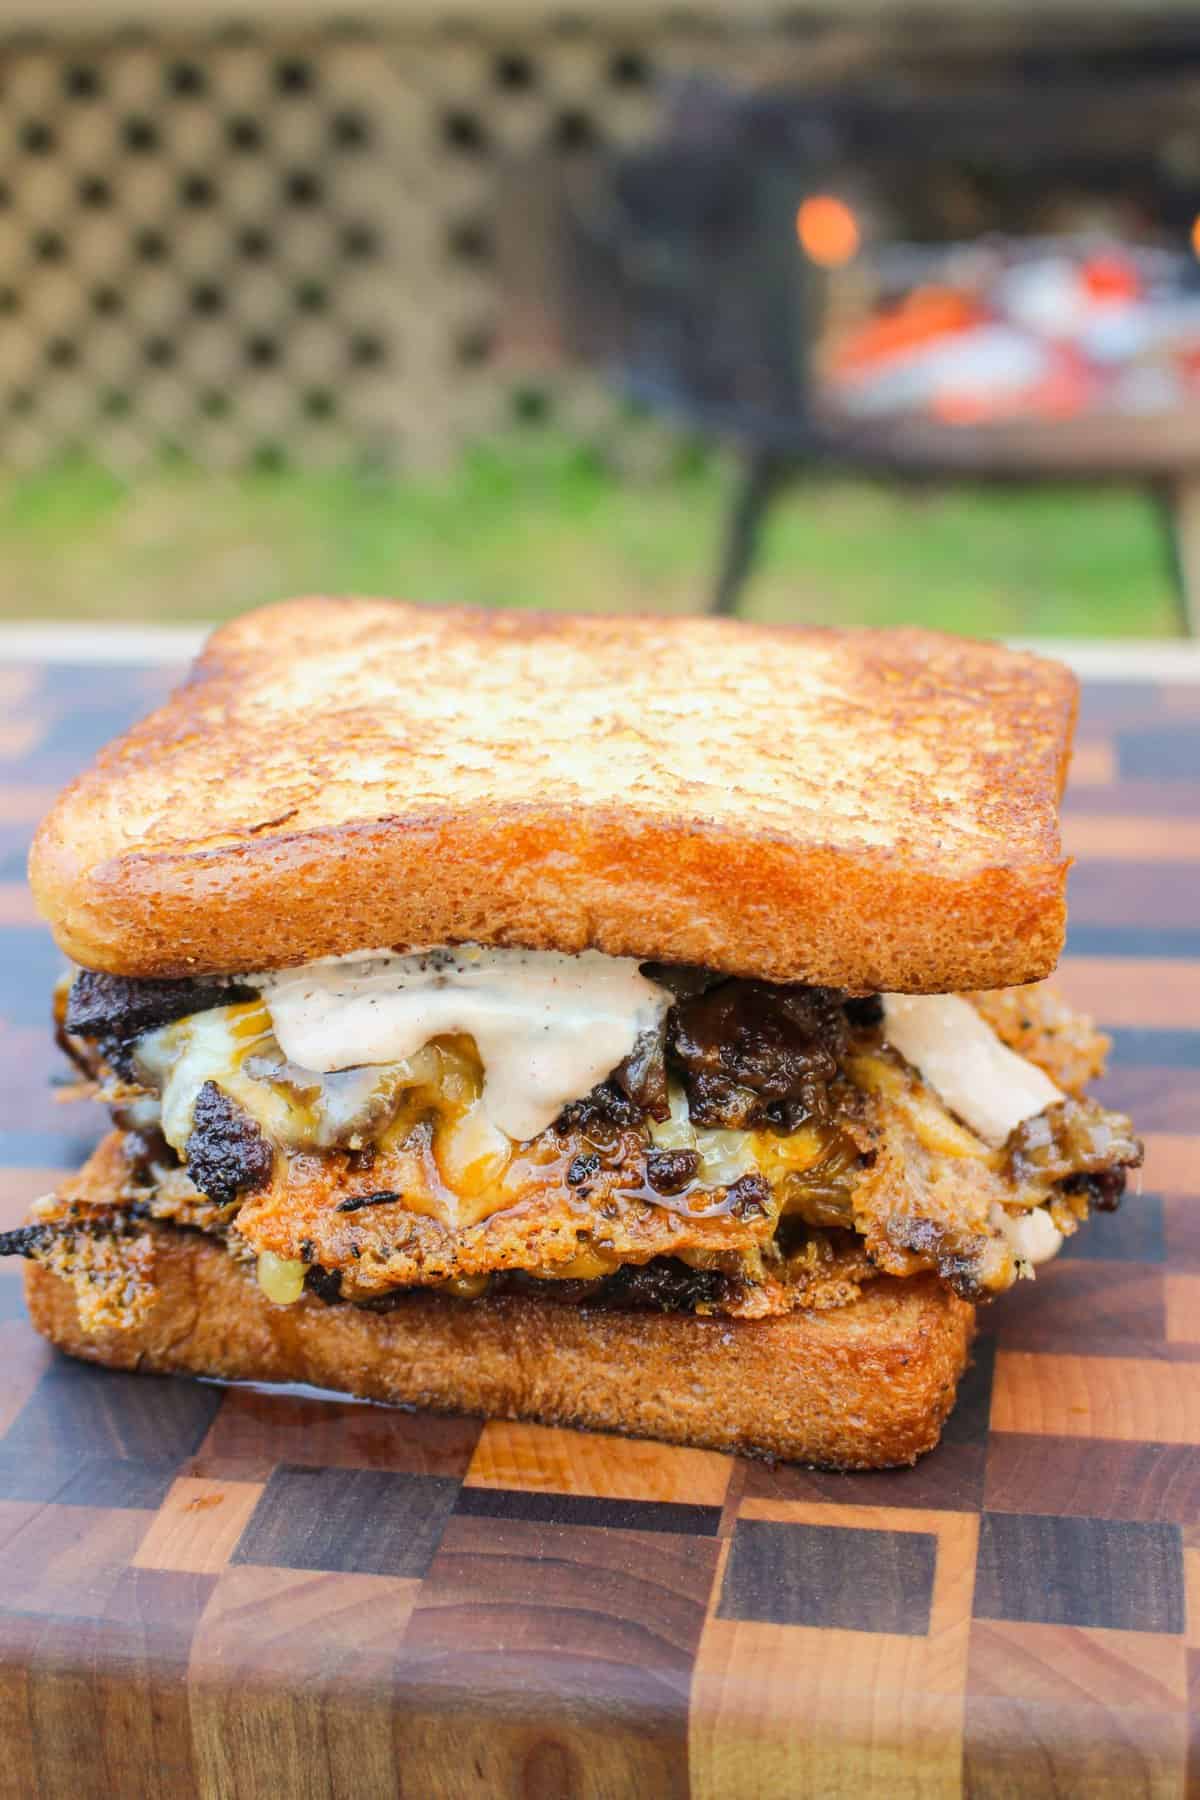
866, 1386
873, 810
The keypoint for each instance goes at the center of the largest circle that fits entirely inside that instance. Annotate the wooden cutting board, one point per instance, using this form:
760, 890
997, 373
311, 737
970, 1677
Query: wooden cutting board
235, 1593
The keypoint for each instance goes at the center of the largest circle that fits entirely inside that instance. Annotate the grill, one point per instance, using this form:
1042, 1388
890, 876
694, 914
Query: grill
709, 271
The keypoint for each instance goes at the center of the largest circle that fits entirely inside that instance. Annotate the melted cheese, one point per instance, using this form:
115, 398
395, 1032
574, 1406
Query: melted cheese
725, 1156
547, 1026
985, 1084
281, 1279
235, 1047
208, 1046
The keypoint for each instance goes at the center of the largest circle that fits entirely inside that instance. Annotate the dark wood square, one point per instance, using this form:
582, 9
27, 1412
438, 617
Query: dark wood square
358, 1521
1159, 753
1160, 1099
587, 1509
78, 1412
87, 1481
1176, 942
1155, 1047
1136, 1233
949, 1479
12, 1295
1119, 1305
74, 734
1116, 1574
968, 1423
1113, 890
832, 1576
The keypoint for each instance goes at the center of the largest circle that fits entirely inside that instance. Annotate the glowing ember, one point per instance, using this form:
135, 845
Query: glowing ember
827, 230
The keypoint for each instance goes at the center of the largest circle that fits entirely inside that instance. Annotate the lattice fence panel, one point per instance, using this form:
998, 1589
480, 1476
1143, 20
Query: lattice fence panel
250, 249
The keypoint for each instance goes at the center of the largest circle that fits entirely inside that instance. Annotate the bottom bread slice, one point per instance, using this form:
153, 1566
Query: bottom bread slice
866, 1386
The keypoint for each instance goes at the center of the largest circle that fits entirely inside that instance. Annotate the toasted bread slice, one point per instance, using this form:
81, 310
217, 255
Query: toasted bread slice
866, 1386
865, 809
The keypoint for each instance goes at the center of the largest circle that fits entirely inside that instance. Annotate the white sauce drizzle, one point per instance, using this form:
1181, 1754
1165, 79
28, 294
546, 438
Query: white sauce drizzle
547, 1026
988, 1085
1033, 1235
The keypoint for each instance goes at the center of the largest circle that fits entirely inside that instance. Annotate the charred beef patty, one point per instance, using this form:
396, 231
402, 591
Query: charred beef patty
664, 1284
112, 1011
753, 1053
618, 1198
746, 1053
227, 1154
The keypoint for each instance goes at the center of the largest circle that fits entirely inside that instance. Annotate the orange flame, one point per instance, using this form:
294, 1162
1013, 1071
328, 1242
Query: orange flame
827, 230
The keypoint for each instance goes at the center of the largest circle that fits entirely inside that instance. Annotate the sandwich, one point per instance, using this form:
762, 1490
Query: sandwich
625, 1024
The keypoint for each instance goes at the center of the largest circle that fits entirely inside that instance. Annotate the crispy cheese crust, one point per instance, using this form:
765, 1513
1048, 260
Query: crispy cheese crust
871, 809
866, 1386
881, 1181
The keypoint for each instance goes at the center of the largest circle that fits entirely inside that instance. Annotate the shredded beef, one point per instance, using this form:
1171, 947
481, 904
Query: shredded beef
605, 1105
664, 1284
41, 1240
642, 1077
956, 1259
115, 1010
326, 1284
356, 1202
749, 1197
753, 1053
1104, 1190
1075, 1143
682, 979
749, 1053
670, 1171
227, 1155
27, 1240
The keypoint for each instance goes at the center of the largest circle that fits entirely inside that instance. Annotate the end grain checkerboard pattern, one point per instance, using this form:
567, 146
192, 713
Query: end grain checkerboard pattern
218, 1592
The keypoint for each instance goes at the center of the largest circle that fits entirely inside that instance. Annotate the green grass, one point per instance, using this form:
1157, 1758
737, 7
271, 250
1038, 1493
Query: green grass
542, 524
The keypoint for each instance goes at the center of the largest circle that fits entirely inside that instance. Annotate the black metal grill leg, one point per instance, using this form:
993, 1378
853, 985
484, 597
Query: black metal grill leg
764, 471
1179, 505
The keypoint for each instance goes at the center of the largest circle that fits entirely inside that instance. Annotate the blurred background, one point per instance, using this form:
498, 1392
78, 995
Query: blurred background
863, 314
